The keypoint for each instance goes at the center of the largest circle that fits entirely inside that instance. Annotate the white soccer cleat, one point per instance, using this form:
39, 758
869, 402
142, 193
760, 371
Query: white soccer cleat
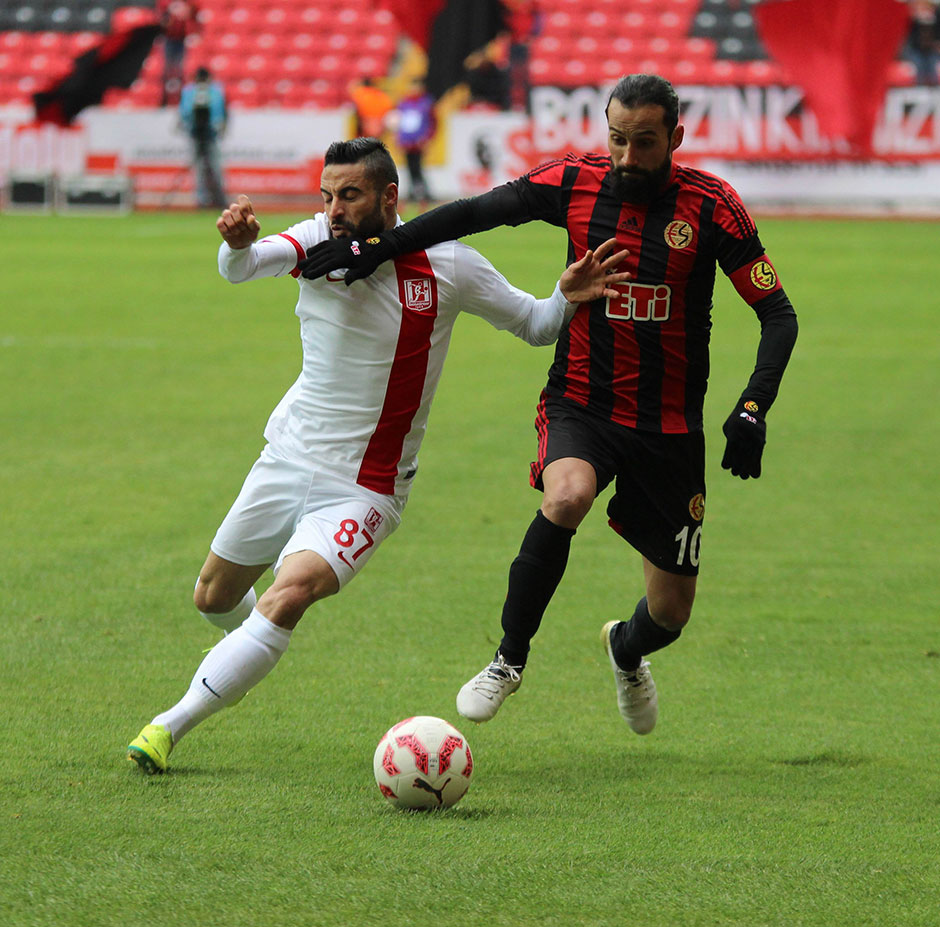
636, 691
480, 698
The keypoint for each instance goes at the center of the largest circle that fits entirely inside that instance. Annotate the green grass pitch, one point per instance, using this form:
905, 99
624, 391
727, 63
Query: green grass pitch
792, 779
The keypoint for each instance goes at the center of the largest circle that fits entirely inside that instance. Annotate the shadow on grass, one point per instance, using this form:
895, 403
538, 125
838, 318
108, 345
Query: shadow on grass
826, 758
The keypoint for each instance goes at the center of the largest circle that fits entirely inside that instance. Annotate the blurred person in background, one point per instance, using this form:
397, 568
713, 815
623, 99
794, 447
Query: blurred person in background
204, 115
923, 42
486, 74
523, 21
373, 106
178, 19
415, 125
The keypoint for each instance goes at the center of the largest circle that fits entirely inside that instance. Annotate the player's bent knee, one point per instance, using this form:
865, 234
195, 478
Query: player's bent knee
567, 505
214, 599
285, 604
671, 612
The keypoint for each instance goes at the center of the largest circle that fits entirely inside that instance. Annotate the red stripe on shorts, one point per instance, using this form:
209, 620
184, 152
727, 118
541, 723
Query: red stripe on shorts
417, 290
541, 429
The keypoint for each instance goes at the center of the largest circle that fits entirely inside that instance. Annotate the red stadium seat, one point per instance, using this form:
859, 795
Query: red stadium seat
723, 72
540, 71
12, 40
587, 46
311, 18
55, 43
81, 41
613, 69
300, 67
279, 19
692, 71
761, 73
302, 42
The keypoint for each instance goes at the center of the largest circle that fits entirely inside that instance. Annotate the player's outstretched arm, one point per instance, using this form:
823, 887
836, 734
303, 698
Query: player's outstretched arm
500, 206
594, 275
238, 224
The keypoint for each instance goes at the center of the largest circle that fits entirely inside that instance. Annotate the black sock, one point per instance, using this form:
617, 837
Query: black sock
533, 578
634, 639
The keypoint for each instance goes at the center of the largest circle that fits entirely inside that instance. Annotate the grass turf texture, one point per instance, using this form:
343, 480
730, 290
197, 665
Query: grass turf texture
791, 780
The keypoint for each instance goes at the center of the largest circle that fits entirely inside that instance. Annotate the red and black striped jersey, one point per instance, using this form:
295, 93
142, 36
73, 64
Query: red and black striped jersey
642, 360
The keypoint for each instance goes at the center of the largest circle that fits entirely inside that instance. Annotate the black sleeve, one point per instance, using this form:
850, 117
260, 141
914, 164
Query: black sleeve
502, 205
778, 330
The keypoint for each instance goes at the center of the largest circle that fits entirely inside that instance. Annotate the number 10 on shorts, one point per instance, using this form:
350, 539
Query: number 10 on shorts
690, 546
354, 540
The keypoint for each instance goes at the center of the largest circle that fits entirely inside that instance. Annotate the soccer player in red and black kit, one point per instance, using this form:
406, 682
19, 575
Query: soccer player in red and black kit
625, 393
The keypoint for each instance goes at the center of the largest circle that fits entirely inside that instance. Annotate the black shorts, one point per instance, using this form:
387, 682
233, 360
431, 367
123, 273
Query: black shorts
659, 496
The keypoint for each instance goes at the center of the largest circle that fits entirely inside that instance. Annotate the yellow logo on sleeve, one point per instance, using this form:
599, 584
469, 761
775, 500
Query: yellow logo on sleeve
763, 276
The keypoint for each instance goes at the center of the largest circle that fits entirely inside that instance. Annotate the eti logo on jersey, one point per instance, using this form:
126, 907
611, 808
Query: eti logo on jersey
640, 302
418, 294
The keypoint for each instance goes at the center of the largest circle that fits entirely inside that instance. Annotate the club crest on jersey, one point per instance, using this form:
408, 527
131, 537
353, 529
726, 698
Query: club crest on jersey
418, 294
678, 234
373, 520
697, 506
763, 276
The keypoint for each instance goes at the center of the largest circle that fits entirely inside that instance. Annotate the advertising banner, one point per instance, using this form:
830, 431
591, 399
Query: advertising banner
764, 140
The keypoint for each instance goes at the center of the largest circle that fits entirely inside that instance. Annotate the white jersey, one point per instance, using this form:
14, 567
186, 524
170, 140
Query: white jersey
373, 351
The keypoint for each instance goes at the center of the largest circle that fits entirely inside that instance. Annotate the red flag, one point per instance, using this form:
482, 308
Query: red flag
415, 17
839, 53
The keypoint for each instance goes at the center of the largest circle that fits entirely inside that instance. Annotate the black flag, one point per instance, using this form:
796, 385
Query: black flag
448, 30
116, 62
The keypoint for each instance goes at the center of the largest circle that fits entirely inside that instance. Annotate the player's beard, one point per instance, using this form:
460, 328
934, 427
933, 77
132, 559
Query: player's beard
367, 227
635, 185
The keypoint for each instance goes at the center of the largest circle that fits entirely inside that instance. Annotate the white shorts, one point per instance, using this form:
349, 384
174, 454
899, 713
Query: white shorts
285, 507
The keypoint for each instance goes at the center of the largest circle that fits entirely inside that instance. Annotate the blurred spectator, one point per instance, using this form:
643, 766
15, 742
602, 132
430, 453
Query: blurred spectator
372, 107
415, 127
486, 73
203, 114
523, 21
178, 19
923, 42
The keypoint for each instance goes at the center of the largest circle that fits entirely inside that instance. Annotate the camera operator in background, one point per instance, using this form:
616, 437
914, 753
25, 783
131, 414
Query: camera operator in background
203, 114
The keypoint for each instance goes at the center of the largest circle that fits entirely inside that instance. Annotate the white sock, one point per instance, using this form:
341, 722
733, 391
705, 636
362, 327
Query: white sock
229, 621
237, 663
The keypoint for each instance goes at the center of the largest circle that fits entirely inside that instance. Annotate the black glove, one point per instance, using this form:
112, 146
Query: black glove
746, 432
360, 256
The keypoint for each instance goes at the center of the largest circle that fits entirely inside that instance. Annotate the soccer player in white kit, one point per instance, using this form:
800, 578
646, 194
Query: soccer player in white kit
342, 444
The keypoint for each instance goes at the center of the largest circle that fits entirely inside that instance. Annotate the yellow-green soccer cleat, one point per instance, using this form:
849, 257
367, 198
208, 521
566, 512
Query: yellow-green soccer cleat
150, 749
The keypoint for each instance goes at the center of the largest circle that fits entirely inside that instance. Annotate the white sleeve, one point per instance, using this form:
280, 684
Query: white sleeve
270, 257
485, 292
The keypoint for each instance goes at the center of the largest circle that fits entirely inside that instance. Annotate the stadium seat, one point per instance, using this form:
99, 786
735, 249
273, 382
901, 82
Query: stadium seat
692, 71
761, 73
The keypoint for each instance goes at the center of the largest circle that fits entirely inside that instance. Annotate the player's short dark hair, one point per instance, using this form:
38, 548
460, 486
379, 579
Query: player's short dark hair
380, 168
647, 90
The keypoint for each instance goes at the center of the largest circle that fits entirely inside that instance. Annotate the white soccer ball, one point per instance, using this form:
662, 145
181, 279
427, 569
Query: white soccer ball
423, 763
